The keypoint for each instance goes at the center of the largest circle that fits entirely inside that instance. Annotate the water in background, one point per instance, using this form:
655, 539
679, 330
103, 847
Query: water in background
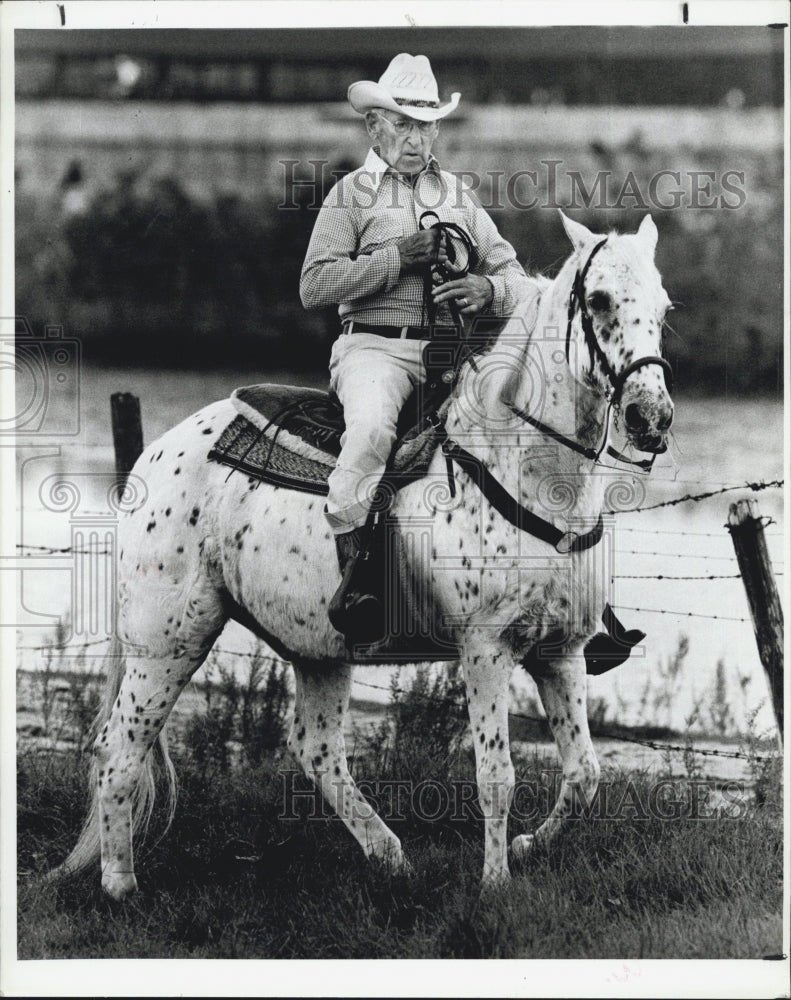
718, 442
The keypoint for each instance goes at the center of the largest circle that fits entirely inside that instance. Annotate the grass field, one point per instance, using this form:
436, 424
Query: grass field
252, 867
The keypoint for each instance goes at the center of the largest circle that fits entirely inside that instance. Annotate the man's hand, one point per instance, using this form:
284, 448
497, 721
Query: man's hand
472, 294
421, 249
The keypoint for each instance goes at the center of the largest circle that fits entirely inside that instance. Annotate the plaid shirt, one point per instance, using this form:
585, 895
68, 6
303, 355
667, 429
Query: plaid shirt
353, 258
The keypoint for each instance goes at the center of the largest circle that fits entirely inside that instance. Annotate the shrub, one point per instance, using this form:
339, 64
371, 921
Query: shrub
165, 272
244, 718
422, 733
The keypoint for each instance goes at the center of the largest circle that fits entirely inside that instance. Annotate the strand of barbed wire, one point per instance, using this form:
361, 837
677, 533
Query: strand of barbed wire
598, 734
654, 745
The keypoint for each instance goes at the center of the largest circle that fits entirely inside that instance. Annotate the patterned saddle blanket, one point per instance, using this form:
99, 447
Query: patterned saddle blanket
290, 436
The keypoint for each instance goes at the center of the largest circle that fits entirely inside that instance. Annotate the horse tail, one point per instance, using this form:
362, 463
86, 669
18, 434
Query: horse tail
87, 851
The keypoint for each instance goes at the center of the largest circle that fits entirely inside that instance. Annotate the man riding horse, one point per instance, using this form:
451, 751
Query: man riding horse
369, 255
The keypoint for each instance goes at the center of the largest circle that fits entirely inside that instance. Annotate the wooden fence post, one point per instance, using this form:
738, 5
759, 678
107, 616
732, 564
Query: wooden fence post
749, 541
127, 432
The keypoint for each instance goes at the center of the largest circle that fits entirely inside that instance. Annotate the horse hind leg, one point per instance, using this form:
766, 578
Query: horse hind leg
317, 742
487, 669
175, 644
562, 686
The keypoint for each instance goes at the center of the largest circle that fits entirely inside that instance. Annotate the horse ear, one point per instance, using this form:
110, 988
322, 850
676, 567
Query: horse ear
647, 234
579, 235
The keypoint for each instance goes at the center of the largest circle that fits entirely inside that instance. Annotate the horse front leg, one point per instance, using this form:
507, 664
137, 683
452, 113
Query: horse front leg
487, 670
563, 688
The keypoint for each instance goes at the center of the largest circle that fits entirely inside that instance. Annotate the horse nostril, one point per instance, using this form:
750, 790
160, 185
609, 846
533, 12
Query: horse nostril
665, 421
635, 421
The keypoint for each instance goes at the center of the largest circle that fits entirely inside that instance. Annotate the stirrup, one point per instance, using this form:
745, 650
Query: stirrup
609, 649
355, 610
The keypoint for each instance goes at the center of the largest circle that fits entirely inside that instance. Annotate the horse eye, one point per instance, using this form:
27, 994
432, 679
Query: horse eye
599, 301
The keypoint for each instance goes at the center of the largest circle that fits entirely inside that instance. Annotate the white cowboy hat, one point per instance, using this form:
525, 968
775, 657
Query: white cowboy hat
408, 86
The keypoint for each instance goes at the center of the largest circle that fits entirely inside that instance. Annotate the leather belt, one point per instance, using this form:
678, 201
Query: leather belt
399, 332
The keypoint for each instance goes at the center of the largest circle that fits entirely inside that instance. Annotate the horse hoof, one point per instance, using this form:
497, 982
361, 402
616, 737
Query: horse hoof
493, 880
118, 887
391, 857
522, 847
403, 868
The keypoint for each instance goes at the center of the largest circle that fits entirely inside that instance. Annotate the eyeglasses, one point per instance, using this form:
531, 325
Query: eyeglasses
404, 127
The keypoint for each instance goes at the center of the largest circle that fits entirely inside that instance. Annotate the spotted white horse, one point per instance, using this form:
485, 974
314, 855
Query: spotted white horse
199, 550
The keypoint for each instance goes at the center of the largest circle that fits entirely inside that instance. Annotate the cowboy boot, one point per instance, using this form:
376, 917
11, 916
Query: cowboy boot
354, 610
609, 649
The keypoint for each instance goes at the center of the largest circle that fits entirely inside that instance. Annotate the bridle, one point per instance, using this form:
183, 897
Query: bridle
578, 304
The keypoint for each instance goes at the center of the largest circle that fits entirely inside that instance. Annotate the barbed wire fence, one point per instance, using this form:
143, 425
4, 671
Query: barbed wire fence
29, 551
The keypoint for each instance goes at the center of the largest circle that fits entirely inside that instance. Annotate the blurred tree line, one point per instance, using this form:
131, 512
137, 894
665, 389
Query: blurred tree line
145, 274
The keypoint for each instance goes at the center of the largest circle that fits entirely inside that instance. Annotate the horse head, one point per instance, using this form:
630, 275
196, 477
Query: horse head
617, 307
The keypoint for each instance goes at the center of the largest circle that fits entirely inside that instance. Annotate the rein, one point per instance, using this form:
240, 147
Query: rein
438, 273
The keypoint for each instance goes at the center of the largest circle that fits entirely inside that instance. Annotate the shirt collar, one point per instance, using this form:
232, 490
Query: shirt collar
377, 168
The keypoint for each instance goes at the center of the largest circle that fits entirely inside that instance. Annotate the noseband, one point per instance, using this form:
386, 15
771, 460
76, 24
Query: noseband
617, 380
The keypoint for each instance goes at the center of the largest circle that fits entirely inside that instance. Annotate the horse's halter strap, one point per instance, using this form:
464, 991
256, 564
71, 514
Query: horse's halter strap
617, 380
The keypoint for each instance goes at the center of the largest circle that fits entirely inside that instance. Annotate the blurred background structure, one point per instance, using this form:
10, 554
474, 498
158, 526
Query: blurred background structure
160, 213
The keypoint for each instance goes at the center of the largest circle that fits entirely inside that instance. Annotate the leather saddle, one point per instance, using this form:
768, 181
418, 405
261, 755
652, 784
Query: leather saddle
291, 435
315, 416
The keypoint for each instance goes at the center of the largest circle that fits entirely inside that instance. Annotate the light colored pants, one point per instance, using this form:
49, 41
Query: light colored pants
373, 377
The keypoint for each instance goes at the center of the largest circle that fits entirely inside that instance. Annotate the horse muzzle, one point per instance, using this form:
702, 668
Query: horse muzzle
647, 423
